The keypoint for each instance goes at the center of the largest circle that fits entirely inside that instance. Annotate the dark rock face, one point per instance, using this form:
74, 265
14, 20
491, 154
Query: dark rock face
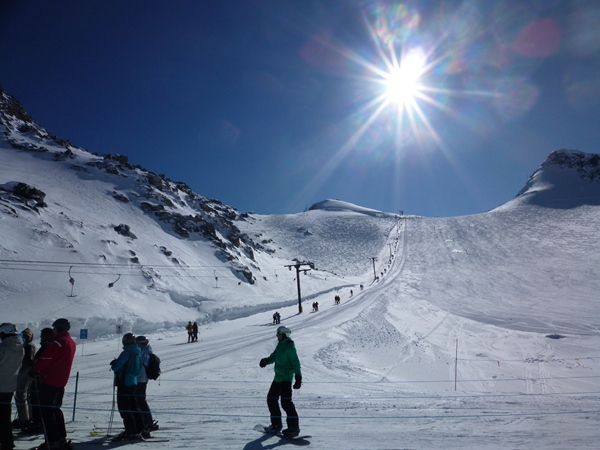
586, 164
174, 204
27, 192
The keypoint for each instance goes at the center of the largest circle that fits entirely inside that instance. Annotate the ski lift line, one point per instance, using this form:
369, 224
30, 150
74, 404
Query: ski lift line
113, 273
110, 274
145, 266
69, 264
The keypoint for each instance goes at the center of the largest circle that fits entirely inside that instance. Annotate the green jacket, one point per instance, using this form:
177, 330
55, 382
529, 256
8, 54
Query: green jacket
286, 361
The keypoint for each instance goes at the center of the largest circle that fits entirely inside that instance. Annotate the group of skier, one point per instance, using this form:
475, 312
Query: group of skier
37, 380
131, 381
276, 318
192, 331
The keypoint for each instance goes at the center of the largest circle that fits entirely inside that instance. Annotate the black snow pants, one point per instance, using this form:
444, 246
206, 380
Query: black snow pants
283, 390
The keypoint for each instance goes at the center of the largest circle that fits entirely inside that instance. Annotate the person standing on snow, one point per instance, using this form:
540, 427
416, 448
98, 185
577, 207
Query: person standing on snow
35, 427
142, 384
190, 329
54, 369
195, 332
127, 368
23, 394
287, 366
11, 356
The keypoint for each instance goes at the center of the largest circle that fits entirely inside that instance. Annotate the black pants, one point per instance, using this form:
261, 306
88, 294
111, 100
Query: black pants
6, 437
127, 401
34, 398
50, 400
143, 404
283, 390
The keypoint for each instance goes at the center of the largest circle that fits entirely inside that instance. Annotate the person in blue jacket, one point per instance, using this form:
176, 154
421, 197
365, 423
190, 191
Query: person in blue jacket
142, 383
127, 368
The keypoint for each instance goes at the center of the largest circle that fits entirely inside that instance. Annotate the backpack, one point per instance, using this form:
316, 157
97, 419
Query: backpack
153, 369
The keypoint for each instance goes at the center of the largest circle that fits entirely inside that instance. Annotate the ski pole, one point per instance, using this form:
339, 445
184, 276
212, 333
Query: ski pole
75, 396
112, 410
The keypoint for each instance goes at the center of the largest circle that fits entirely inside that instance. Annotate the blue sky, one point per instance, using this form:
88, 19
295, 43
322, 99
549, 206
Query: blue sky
271, 106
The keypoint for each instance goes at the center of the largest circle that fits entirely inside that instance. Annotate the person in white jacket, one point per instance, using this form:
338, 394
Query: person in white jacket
11, 356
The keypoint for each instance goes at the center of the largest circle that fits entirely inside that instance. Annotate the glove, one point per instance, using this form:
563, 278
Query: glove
298, 382
263, 362
112, 363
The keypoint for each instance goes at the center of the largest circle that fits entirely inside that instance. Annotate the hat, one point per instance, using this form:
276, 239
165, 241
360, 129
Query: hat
8, 329
27, 334
142, 341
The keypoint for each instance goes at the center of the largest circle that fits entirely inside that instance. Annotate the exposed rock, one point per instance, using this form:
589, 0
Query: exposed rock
124, 230
27, 192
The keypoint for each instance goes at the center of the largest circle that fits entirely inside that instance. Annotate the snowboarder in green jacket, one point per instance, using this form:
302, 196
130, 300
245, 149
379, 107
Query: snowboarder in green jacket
287, 367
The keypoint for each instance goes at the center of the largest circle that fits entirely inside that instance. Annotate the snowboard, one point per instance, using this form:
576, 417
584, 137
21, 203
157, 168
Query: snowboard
261, 429
107, 441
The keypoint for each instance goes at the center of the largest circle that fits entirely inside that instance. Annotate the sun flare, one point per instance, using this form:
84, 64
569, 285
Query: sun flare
402, 82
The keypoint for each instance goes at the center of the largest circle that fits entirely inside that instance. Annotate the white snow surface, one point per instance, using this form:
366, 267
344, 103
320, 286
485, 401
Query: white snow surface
481, 332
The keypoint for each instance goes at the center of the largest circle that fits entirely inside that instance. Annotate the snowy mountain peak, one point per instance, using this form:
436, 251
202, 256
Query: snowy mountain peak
15, 119
567, 179
587, 165
339, 205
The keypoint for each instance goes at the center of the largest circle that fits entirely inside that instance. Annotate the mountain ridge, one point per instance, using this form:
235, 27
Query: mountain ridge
68, 214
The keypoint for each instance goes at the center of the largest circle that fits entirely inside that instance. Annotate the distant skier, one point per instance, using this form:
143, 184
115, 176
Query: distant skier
195, 332
287, 367
276, 318
190, 330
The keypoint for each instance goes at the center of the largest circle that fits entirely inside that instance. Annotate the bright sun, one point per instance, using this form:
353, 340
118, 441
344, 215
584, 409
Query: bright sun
402, 81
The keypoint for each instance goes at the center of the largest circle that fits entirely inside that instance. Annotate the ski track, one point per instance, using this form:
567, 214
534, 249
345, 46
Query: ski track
203, 391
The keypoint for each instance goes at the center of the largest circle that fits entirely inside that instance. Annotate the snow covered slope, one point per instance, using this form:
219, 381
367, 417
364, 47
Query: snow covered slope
480, 332
75, 223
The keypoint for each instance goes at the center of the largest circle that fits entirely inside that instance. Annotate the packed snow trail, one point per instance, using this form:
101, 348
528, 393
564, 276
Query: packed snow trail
378, 373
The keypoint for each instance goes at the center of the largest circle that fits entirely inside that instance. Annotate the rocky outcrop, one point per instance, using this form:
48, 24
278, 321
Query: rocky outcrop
586, 164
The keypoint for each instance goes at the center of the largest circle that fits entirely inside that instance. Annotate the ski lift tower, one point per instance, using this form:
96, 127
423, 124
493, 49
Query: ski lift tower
298, 270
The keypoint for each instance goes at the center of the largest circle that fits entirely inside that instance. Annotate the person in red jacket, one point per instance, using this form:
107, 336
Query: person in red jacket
53, 369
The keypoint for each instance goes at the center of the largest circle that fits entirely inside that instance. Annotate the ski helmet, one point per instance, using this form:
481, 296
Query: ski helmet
128, 339
142, 341
283, 330
8, 329
61, 325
